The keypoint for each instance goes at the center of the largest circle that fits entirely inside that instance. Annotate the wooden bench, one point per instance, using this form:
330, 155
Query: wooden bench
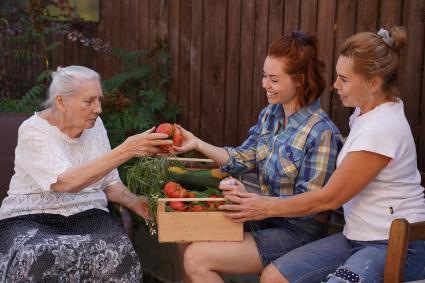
9, 125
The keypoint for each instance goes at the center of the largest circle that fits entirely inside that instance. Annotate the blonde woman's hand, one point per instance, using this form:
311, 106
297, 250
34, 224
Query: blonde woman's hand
231, 186
190, 141
145, 144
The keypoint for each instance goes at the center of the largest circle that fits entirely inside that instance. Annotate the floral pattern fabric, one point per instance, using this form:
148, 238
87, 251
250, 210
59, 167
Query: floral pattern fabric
86, 247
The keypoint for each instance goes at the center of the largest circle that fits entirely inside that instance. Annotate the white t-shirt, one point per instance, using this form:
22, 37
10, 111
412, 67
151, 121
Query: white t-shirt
396, 190
42, 154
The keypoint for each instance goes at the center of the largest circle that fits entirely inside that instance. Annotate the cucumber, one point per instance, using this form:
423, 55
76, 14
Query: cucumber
196, 180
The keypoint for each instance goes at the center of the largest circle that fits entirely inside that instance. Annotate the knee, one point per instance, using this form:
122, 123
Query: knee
194, 259
271, 274
344, 274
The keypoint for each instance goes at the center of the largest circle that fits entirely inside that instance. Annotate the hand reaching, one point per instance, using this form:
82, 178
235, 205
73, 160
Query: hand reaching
145, 144
190, 141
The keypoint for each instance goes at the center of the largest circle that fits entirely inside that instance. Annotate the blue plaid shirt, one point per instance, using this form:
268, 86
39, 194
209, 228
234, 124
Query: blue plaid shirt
289, 160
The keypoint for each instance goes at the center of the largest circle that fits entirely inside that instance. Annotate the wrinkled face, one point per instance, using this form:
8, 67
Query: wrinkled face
281, 87
82, 108
352, 88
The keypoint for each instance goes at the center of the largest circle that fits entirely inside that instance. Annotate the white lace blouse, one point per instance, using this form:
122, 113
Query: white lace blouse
42, 154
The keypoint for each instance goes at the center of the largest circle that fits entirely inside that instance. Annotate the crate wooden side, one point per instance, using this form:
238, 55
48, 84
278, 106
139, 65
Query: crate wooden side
196, 226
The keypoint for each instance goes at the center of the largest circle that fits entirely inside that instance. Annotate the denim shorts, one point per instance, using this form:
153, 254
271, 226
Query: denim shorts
337, 259
275, 237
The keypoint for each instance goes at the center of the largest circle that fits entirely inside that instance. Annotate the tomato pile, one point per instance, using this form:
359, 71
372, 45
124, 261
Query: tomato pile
175, 190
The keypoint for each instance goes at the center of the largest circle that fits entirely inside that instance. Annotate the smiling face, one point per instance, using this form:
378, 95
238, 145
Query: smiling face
281, 87
81, 109
352, 88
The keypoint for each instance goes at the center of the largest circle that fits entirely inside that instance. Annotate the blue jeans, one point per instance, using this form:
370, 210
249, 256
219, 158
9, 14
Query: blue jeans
337, 259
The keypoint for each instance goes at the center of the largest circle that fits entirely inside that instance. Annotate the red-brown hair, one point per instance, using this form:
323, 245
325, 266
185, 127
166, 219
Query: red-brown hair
299, 52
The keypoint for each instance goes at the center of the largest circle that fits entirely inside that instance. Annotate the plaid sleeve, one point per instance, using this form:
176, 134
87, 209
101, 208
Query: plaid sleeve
243, 158
319, 162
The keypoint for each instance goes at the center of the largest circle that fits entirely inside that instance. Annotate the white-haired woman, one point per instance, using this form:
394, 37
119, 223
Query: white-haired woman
54, 222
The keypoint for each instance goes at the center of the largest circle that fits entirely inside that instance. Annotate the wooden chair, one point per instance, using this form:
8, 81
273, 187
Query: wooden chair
401, 234
9, 124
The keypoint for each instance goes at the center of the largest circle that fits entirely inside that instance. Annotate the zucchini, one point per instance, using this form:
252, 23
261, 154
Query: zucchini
196, 180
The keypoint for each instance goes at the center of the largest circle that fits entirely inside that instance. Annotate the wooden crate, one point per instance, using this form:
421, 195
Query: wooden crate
180, 227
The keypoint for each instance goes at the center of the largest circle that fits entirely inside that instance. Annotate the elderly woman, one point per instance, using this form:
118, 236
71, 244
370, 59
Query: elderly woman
55, 225
376, 179
293, 148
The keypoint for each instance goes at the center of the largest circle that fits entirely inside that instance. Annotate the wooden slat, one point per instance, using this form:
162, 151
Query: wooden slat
276, 8
308, 14
246, 69
153, 21
367, 15
412, 69
391, 11
195, 94
292, 16
143, 20
184, 60
233, 47
173, 36
325, 33
345, 27
260, 52
164, 6
213, 58
421, 130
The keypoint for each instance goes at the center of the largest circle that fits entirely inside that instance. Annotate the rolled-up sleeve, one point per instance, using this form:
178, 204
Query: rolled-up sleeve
243, 158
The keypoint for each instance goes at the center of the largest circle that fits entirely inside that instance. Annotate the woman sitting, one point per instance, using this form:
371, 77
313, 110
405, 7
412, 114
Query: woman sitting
55, 225
376, 179
293, 148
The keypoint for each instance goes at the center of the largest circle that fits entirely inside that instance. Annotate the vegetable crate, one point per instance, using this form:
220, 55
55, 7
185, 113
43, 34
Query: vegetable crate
180, 227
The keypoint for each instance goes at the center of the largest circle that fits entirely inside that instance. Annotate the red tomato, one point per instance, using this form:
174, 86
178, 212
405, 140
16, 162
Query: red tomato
177, 206
190, 195
197, 208
213, 205
174, 190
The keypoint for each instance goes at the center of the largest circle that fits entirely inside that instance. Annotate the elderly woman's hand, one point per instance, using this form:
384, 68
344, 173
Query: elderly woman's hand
246, 207
190, 141
141, 207
231, 186
145, 144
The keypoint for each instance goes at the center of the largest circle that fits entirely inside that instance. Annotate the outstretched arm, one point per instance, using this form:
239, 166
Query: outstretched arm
356, 171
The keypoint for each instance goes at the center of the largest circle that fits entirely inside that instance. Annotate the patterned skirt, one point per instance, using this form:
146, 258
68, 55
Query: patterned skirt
86, 247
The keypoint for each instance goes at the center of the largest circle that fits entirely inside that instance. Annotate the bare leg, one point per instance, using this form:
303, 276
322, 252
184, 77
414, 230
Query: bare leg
181, 249
271, 274
204, 260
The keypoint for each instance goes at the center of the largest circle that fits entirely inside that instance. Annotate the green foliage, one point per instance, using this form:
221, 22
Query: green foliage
136, 99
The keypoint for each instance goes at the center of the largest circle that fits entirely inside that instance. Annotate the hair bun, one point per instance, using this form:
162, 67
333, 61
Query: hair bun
399, 36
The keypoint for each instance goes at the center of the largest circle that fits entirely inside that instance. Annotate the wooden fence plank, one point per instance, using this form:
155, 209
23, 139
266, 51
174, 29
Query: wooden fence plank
391, 11
195, 94
164, 6
173, 35
246, 68
184, 60
260, 52
292, 16
276, 8
233, 47
412, 68
213, 58
325, 33
367, 15
144, 24
421, 129
308, 15
345, 27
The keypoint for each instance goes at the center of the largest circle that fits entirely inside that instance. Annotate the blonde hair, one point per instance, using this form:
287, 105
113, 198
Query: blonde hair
374, 55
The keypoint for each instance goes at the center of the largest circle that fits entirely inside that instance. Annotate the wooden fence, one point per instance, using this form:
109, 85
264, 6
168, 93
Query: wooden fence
218, 48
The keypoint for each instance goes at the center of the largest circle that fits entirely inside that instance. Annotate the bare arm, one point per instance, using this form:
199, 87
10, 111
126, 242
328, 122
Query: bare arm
356, 171
118, 193
218, 154
77, 178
